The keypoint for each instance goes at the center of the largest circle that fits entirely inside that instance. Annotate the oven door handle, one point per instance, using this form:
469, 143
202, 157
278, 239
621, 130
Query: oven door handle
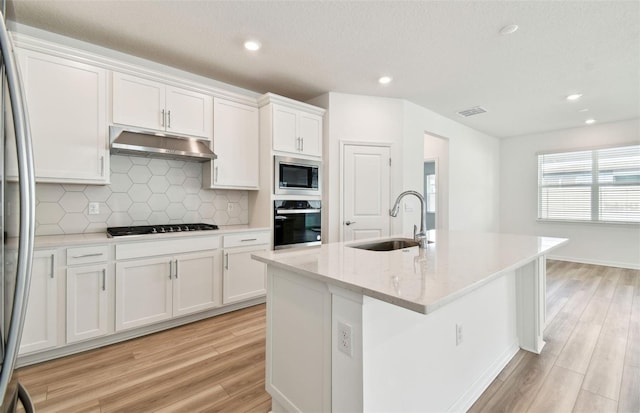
297, 211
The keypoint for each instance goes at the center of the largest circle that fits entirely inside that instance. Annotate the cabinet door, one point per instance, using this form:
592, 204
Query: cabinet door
189, 113
236, 142
138, 102
40, 326
310, 131
143, 292
285, 137
194, 282
86, 302
243, 277
67, 113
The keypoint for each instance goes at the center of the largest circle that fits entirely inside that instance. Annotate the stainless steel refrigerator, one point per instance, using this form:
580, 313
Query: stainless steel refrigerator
17, 181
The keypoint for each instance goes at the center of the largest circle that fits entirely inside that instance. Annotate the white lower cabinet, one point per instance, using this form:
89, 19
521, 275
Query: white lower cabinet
87, 302
194, 283
243, 277
40, 329
143, 292
156, 289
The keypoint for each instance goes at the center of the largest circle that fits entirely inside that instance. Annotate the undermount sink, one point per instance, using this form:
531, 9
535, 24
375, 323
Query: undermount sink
387, 245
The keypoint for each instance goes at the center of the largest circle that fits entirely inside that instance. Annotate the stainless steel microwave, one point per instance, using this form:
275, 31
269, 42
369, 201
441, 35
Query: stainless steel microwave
297, 176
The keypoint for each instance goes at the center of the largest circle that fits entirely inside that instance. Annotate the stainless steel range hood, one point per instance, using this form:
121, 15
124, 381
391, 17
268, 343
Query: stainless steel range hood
139, 142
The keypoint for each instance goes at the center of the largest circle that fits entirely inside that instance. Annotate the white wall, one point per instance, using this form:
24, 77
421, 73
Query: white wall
356, 118
605, 244
473, 202
473, 170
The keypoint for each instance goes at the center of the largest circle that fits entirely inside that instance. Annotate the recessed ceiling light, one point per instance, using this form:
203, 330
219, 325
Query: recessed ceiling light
511, 28
385, 80
590, 121
252, 45
584, 110
574, 97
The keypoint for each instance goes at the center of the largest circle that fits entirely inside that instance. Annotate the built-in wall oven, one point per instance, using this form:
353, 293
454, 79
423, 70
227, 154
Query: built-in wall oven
295, 176
297, 223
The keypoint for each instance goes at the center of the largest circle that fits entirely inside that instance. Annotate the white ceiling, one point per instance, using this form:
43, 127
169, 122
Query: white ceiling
443, 55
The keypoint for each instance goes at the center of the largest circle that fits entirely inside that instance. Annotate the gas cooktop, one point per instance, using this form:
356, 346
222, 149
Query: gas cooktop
158, 229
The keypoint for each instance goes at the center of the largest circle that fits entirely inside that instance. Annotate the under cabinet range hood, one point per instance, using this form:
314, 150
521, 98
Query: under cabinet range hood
140, 142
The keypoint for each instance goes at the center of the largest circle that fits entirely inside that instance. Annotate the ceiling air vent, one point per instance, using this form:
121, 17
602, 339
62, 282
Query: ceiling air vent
472, 111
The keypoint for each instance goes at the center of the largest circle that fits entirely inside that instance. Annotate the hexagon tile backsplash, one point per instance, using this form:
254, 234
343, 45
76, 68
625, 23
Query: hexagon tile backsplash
143, 191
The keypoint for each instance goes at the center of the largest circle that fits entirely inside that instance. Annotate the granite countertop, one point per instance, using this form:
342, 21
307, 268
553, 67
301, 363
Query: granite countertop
420, 280
53, 241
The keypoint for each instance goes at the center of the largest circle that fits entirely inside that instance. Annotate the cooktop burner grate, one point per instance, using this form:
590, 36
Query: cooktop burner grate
158, 229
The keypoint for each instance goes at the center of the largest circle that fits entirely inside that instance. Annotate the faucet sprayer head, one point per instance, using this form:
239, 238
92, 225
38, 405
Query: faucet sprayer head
396, 208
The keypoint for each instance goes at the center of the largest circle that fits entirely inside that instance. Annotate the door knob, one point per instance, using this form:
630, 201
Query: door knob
349, 222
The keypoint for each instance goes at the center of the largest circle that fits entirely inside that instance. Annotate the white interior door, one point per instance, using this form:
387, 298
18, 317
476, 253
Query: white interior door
365, 197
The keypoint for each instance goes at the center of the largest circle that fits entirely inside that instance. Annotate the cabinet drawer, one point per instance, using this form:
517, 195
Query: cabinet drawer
87, 255
145, 249
245, 239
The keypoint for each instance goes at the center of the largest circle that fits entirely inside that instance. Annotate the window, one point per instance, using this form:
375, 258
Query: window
601, 185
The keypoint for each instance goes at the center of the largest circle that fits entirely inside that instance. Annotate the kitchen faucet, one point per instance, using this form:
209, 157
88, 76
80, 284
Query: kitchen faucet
419, 237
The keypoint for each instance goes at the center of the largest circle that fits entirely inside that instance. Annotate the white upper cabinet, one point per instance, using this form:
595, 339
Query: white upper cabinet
296, 131
237, 145
154, 105
293, 127
67, 105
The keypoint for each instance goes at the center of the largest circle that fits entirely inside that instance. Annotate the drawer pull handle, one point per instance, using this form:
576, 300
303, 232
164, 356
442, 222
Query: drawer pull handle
97, 254
104, 279
248, 239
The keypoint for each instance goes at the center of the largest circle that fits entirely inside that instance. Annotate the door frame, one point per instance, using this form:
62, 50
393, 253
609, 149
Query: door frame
424, 183
343, 144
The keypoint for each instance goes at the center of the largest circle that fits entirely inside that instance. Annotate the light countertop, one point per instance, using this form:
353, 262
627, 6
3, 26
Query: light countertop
54, 241
420, 280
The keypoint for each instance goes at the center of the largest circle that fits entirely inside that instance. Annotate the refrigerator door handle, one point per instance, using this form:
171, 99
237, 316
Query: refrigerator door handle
26, 181
25, 399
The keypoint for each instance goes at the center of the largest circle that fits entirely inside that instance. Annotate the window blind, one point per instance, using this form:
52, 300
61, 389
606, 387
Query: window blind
593, 185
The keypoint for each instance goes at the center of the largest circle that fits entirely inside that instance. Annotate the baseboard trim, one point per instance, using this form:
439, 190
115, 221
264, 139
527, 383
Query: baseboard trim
467, 400
617, 264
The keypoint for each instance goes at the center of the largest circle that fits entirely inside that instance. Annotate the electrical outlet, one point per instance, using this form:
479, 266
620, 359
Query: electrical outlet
458, 334
94, 208
345, 344
232, 207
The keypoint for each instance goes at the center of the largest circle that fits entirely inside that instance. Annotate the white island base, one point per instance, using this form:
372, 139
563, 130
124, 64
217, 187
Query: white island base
333, 348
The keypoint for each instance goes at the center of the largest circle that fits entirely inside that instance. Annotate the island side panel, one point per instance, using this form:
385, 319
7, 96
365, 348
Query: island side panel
298, 371
531, 309
346, 354
416, 362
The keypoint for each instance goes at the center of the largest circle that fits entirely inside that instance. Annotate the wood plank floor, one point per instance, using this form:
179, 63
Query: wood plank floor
591, 362
213, 365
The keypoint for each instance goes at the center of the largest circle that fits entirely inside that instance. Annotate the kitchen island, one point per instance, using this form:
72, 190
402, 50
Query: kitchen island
405, 330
